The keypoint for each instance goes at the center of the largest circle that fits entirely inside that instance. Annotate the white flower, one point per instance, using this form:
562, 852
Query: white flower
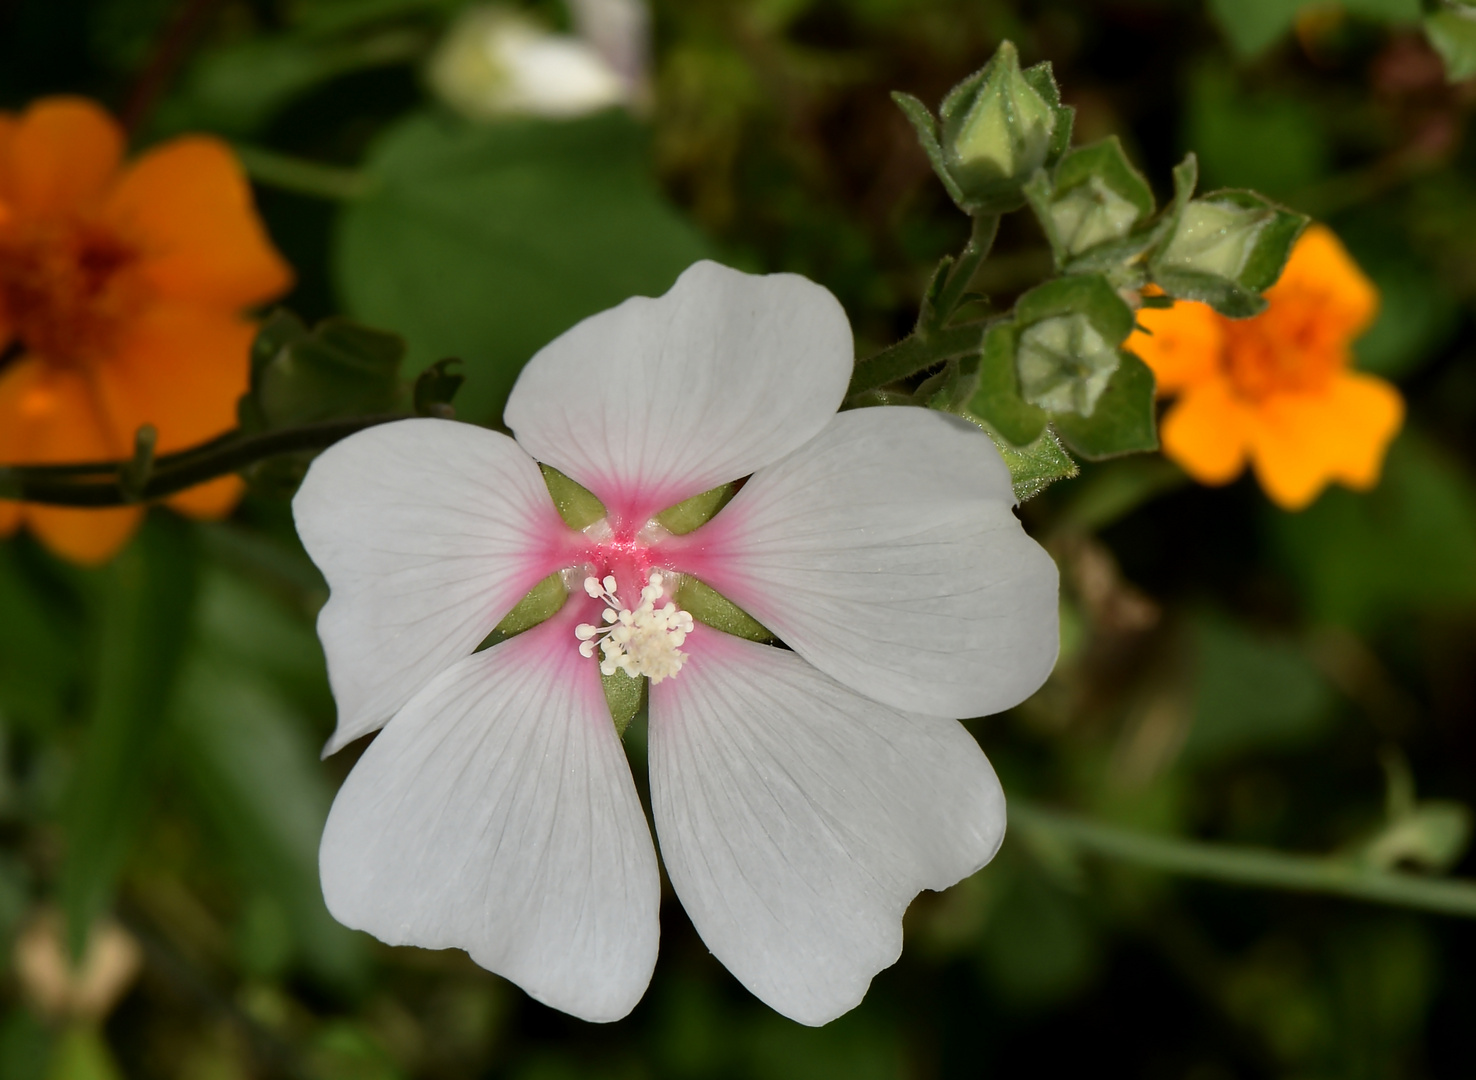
802, 798
494, 62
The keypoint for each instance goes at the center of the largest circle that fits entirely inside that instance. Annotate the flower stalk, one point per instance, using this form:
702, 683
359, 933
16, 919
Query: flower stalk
123, 483
1253, 867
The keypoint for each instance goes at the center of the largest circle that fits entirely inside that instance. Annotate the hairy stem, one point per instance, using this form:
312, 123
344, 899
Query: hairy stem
933, 340
981, 240
1253, 867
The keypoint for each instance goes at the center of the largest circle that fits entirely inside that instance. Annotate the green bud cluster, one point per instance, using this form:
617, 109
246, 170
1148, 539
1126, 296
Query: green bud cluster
1053, 374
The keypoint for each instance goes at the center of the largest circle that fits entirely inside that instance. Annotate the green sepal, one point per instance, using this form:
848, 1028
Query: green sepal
1094, 209
1231, 274
1452, 32
1035, 466
1123, 421
1091, 295
996, 398
624, 694
711, 608
926, 127
336, 369
542, 603
576, 504
436, 386
697, 511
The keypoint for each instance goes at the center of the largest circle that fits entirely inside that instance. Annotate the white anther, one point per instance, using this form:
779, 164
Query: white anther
645, 641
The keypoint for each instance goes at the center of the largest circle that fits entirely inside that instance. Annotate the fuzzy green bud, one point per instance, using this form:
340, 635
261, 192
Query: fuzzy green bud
1092, 214
1064, 364
1215, 237
1006, 132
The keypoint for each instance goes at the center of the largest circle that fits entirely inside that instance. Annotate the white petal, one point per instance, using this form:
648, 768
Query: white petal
657, 400
887, 553
798, 820
496, 813
428, 533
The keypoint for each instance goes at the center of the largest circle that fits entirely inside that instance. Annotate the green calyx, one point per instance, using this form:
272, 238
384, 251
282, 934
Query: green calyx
993, 131
1064, 364
1224, 249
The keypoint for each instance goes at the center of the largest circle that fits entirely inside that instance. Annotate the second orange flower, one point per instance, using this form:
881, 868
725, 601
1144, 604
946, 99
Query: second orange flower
1276, 391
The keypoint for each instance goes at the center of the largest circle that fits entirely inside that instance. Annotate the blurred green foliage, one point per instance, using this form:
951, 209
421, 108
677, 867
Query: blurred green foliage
1228, 670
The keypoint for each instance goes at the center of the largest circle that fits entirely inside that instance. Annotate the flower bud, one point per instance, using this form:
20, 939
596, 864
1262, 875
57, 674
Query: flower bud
1064, 364
1215, 237
1091, 214
494, 62
994, 130
999, 128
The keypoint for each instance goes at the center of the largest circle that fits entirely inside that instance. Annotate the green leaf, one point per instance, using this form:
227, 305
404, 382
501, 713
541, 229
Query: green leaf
696, 511
1123, 420
337, 369
487, 241
237, 88
712, 608
143, 614
81, 1053
1253, 693
243, 752
1221, 121
245, 723
1254, 25
1453, 34
996, 399
577, 505
37, 660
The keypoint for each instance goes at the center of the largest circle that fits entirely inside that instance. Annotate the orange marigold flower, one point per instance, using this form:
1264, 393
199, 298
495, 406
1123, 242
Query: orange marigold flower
122, 291
1276, 390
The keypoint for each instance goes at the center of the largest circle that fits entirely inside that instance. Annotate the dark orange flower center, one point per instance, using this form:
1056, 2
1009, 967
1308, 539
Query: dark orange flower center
1289, 347
66, 288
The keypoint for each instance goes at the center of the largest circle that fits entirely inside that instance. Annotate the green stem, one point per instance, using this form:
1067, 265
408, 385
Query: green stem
961, 275
107, 483
914, 353
1254, 867
933, 341
302, 177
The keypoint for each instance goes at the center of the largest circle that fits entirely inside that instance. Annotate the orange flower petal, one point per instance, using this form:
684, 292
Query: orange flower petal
62, 155
1182, 344
1207, 432
211, 501
1305, 441
183, 369
1322, 276
189, 207
51, 415
88, 537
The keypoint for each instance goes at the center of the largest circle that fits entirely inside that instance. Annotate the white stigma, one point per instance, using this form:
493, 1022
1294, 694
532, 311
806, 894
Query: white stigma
646, 641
